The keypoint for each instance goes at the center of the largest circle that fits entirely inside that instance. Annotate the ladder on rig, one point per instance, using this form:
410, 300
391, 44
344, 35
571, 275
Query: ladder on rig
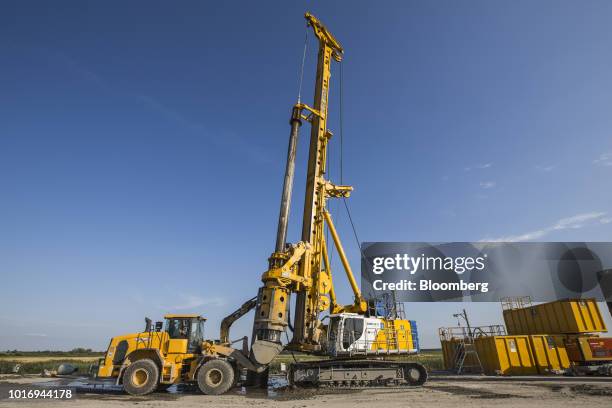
391, 338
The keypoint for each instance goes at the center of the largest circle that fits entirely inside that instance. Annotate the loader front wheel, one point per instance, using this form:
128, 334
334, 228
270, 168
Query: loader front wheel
215, 377
141, 377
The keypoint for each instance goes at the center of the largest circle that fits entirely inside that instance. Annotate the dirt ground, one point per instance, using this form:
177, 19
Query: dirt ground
441, 392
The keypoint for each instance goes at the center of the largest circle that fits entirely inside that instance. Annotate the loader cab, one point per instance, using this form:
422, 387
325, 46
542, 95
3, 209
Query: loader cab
185, 332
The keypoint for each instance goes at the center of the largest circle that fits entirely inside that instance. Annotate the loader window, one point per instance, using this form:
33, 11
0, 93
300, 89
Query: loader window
120, 352
196, 335
353, 329
178, 328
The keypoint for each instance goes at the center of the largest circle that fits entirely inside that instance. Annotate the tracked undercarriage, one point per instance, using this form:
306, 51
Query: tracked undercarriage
356, 373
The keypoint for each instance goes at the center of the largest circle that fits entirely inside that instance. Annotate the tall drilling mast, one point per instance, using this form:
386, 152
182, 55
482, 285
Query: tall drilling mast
317, 190
303, 268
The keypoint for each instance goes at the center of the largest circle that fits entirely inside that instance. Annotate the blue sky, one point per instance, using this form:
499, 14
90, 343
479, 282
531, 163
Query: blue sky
142, 146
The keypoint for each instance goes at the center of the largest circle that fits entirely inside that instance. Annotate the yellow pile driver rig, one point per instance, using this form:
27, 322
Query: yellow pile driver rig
355, 344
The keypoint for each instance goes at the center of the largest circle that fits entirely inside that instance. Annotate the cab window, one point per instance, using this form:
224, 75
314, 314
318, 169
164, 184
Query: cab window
196, 335
178, 328
353, 329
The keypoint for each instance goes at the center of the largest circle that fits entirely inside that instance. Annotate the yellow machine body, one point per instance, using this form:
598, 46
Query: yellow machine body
396, 336
353, 334
176, 349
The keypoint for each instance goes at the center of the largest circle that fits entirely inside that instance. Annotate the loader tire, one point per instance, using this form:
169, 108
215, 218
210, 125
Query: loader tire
216, 377
141, 377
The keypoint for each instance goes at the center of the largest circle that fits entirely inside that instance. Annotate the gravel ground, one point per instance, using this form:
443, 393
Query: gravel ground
443, 392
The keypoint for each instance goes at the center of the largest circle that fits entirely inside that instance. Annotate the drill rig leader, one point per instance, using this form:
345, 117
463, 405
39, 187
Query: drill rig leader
304, 269
356, 339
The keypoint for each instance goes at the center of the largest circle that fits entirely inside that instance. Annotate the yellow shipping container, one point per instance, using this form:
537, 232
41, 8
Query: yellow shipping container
559, 317
549, 354
448, 353
506, 355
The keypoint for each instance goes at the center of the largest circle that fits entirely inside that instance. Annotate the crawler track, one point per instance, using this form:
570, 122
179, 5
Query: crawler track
356, 374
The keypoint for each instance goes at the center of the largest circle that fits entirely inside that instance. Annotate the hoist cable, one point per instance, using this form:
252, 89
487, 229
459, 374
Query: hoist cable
348, 211
301, 76
341, 127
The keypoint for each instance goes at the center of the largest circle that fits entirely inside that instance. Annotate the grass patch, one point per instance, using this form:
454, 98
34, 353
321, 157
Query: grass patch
37, 367
41, 359
77, 352
432, 360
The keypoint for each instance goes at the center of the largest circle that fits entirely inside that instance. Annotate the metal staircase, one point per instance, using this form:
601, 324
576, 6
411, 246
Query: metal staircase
465, 351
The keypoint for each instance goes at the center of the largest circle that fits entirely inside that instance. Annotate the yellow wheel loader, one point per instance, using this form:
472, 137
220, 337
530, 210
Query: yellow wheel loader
357, 343
169, 353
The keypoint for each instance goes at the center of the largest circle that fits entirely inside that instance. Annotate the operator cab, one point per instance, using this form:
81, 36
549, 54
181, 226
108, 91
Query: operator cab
344, 333
188, 327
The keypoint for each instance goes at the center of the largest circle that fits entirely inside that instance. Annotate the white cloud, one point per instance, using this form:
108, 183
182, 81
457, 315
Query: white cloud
487, 184
35, 334
573, 222
577, 221
605, 159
